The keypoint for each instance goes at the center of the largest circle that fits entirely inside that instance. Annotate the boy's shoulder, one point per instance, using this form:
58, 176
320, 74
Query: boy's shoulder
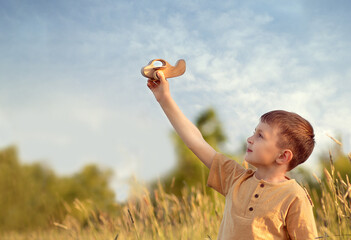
303, 192
298, 192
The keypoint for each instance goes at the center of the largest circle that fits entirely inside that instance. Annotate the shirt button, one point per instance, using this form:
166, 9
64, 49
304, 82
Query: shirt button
256, 195
251, 209
262, 185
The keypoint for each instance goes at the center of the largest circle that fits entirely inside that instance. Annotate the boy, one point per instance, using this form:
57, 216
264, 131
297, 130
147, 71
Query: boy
260, 204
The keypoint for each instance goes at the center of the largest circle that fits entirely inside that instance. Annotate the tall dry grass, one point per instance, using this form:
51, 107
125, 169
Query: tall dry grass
333, 204
195, 215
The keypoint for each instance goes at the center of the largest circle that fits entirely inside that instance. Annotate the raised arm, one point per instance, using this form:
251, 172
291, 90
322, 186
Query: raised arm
187, 131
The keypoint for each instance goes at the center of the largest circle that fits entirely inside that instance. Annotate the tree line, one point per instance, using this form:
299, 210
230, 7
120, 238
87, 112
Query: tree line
32, 196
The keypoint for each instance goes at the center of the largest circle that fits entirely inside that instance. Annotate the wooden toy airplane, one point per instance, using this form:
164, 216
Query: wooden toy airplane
168, 70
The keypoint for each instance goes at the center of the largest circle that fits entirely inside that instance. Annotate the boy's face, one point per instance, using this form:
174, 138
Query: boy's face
262, 150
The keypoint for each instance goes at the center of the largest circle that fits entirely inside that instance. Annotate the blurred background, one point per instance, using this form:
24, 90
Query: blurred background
76, 117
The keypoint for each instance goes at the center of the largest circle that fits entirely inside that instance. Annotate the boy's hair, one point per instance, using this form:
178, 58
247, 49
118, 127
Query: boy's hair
295, 133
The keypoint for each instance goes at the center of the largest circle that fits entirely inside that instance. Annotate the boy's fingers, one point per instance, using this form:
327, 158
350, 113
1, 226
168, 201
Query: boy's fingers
161, 76
152, 83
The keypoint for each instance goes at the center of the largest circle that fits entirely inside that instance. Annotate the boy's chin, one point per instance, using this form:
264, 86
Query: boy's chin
248, 160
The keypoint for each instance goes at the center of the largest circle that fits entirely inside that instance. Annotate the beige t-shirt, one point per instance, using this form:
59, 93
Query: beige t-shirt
256, 209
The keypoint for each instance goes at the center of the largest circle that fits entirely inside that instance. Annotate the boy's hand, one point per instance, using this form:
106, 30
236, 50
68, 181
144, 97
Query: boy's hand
160, 88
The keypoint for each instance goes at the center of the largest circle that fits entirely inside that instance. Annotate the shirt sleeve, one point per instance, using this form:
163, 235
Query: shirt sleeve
300, 220
223, 172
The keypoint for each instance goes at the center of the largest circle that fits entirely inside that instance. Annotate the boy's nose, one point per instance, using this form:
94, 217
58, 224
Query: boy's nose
249, 140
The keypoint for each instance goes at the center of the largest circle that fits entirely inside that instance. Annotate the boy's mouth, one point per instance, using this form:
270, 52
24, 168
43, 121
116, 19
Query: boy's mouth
248, 150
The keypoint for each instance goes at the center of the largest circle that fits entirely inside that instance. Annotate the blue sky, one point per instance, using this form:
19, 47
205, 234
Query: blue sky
72, 93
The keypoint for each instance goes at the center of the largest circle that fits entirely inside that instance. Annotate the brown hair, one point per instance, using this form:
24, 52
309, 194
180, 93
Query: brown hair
295, 133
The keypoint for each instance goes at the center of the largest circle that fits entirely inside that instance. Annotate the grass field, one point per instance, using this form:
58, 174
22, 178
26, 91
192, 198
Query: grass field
196, 215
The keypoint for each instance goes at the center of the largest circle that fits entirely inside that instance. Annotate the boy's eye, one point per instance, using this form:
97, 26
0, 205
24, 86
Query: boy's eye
259, 134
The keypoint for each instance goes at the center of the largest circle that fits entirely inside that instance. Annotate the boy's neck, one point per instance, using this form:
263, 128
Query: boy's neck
271, 175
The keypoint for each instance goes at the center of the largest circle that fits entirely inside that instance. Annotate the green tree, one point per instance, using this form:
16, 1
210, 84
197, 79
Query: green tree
189, 170
338, 159
32, 196
25, 192
90, 183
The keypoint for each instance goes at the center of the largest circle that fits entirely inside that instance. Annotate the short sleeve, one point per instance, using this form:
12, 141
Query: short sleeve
300, 220
223, 173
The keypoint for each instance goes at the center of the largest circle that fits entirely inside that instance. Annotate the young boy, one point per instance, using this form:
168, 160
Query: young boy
260, 204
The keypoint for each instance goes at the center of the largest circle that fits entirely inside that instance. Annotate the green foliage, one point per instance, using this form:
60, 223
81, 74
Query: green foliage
211, 128
32, 196
338, 160
21, 197
90, 183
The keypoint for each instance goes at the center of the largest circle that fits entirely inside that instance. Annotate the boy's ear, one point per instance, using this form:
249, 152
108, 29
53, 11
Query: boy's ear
285, 157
